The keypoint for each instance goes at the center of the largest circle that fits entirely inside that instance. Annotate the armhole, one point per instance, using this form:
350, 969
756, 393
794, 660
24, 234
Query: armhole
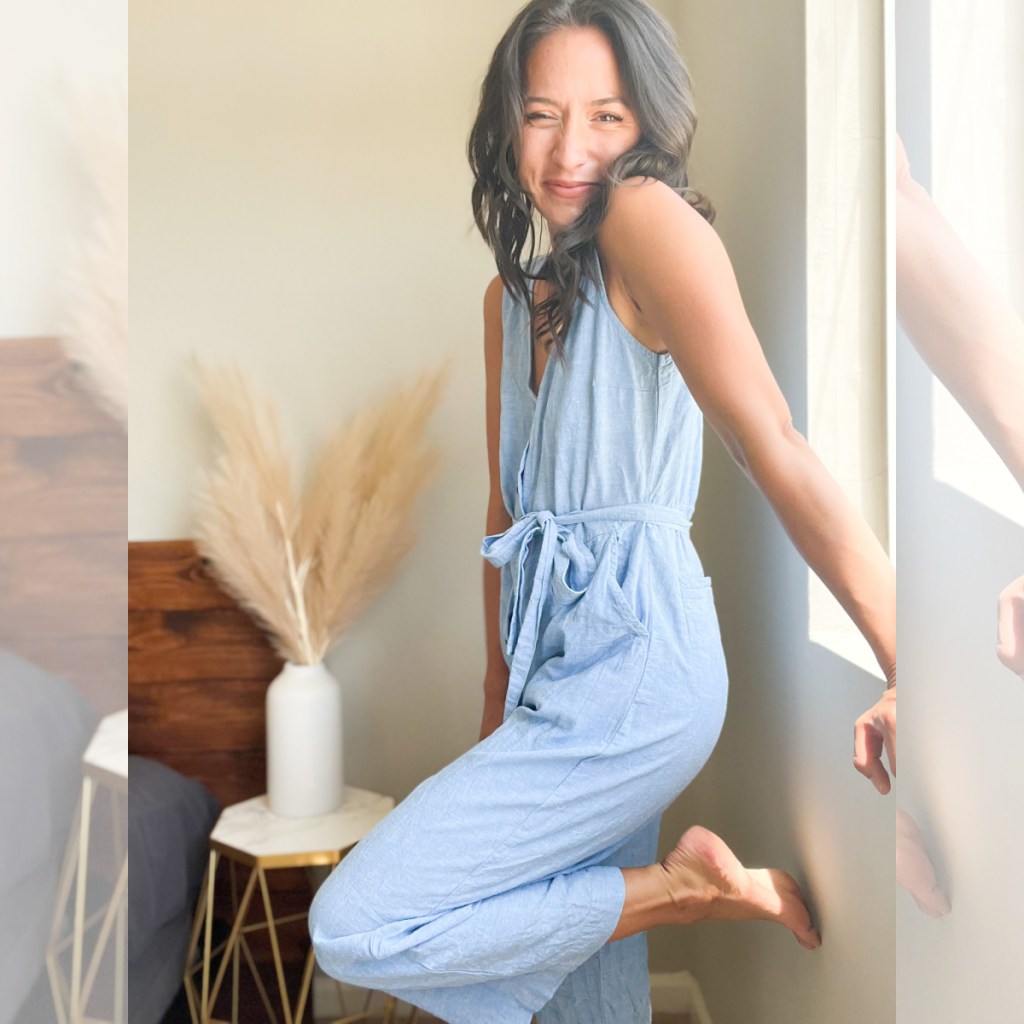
497, 381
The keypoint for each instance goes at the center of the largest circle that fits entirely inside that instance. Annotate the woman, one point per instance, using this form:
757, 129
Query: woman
522, 876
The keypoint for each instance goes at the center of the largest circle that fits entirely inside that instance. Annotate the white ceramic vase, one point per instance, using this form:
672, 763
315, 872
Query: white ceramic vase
304, 758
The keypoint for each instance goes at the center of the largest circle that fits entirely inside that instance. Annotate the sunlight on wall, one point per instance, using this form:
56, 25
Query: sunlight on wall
976, 183
846, 278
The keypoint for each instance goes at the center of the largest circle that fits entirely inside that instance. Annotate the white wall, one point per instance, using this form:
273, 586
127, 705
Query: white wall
780, 787
959, 537
44, 200
300, 202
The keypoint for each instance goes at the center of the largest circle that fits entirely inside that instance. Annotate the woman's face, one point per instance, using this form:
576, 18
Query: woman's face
576, 122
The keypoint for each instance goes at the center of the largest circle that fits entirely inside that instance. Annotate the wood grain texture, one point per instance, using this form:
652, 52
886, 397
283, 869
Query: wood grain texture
72, 586
59, 486
43, 393
198, 671
63, 523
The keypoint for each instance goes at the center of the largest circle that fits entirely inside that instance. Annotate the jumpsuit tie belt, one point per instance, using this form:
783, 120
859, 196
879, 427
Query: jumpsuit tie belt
560, 548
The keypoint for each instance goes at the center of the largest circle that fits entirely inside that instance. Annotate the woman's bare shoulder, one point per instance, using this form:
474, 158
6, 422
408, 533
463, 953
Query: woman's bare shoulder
650, 229
644, 206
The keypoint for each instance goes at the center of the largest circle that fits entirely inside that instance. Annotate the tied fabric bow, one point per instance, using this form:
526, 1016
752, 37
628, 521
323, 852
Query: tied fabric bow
559, 548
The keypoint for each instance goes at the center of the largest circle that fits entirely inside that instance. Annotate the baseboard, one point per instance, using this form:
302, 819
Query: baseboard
328, 993
677, 992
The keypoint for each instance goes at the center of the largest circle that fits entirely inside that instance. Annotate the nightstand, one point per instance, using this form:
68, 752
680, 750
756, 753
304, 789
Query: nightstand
104, 767
248, 834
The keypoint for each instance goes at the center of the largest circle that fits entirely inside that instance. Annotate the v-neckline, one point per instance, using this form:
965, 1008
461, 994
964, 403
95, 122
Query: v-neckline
532, 370
531, 367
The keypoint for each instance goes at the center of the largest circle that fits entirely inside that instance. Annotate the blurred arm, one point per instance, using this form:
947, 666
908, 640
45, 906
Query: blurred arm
965, 328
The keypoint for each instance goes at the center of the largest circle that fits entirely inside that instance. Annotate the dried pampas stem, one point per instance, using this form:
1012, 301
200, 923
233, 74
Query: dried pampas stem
296, 584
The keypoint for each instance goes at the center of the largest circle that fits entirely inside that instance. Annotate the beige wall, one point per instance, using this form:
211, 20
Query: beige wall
45, 47
301, 203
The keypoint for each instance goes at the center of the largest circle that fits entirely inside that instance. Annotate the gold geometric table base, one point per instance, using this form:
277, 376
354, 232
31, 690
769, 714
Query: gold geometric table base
201, 1003
72, 997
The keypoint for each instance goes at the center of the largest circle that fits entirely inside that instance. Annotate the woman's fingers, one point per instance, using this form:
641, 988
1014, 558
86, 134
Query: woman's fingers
874, 732
886, 721
867, 754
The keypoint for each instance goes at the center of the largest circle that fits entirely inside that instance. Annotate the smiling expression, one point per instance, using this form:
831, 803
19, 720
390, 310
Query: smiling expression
576, 122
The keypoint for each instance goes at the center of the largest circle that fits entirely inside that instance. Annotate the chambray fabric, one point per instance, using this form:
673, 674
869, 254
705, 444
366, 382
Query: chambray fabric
490, 892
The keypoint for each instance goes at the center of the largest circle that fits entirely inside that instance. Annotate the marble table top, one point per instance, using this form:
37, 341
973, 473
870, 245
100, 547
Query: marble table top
251, 828
106, 756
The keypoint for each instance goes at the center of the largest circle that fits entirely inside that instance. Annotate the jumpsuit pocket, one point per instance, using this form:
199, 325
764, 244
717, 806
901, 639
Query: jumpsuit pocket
619, 598
595, 597
696, 599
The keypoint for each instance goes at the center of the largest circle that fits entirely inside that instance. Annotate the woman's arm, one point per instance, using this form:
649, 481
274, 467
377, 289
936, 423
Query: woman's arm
498, 519
972, 339
675, 267
965, 328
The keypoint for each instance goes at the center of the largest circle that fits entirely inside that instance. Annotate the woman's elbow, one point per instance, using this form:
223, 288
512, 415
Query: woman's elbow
762, 452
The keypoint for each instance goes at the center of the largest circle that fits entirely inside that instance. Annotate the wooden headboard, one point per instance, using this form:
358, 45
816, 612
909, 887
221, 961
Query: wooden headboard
198, 670
63, 523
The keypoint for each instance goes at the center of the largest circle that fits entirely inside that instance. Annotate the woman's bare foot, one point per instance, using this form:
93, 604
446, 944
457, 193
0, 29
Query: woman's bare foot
708, 883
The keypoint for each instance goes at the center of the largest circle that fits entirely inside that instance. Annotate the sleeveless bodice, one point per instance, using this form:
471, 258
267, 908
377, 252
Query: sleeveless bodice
599, 473
613, 423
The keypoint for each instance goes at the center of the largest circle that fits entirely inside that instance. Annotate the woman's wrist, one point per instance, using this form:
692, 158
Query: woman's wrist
890, 678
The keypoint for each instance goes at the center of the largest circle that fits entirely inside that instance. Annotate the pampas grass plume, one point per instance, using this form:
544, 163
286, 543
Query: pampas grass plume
94, 323
305, 569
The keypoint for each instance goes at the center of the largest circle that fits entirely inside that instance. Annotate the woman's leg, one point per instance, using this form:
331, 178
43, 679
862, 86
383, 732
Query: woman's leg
490, 882
487, 885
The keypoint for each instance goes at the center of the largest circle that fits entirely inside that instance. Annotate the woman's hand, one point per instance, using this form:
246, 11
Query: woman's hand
874, 732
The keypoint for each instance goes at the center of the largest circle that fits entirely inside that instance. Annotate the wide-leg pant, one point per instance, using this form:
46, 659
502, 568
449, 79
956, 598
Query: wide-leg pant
613, 985
498, 878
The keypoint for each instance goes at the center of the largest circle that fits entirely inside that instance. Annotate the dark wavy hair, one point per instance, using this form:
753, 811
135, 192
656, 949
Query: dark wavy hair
659, 91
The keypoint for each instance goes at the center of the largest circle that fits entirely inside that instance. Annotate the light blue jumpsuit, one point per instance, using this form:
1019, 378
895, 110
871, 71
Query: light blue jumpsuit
490, 892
